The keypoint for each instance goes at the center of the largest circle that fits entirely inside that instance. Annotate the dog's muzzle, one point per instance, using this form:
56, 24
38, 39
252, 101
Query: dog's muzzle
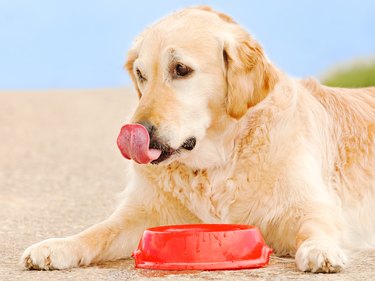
140, 143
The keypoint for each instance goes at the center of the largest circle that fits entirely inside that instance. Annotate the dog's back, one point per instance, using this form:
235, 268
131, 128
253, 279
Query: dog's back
351, 127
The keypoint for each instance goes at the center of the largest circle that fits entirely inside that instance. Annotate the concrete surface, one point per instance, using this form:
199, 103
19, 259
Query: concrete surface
60, 172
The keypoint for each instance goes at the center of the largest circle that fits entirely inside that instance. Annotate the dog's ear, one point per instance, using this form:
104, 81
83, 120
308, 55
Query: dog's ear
132, 56
250, 77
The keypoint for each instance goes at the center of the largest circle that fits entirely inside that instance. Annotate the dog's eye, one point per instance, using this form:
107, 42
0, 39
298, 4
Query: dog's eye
140, 75
182, 70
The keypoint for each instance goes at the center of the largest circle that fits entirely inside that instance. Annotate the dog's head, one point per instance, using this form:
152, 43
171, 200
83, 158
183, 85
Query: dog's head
196, 72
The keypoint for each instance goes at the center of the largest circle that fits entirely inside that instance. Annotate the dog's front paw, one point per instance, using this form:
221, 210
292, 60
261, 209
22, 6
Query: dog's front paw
320, 256
56, 253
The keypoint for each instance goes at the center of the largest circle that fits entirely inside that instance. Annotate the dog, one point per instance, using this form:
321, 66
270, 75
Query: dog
233, 139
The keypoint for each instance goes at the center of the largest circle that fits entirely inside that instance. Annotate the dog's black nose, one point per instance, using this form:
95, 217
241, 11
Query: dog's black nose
149, 127
155, 143
189, 144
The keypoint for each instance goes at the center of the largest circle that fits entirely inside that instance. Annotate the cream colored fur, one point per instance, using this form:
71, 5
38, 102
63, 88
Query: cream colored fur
290, 156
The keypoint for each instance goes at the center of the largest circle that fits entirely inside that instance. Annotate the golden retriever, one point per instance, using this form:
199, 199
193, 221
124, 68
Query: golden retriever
235, 140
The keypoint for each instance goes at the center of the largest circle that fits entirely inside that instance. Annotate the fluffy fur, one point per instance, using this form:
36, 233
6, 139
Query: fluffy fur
292, 157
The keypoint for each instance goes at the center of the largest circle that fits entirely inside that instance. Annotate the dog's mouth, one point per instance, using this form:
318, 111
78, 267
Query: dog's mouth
167, 151
134, 143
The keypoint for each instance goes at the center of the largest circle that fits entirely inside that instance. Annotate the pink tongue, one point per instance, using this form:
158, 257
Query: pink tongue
133, 142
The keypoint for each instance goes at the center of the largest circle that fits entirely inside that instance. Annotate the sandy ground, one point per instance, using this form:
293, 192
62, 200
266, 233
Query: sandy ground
60, 171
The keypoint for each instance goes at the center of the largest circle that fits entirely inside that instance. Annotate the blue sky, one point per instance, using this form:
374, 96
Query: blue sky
48, 44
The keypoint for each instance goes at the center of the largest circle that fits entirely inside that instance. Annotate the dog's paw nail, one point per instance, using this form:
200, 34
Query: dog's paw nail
51, 254
320, 257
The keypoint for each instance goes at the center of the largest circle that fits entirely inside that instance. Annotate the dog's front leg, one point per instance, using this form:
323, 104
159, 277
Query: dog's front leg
319, 239
112, 239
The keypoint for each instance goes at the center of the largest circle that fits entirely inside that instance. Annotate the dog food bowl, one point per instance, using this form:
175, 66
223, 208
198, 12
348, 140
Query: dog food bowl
202, 247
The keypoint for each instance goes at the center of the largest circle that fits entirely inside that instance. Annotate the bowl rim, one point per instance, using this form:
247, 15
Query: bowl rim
207, 227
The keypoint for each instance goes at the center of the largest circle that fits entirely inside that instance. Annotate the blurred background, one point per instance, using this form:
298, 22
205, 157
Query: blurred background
54, 44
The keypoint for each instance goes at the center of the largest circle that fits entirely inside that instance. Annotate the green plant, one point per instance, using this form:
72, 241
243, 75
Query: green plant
359, 75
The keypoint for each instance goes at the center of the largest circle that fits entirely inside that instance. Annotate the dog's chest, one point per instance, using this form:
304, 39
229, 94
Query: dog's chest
206, 194
209, 194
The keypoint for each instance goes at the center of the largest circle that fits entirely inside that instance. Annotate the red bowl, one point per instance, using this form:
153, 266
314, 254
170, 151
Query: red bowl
202, 247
